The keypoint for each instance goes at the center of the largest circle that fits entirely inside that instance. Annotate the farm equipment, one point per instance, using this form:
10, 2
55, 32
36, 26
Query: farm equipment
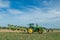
35, 28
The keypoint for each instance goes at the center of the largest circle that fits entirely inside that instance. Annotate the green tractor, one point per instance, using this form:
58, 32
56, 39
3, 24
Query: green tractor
35, 28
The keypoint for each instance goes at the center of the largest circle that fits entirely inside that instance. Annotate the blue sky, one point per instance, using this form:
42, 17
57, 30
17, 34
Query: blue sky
22, 12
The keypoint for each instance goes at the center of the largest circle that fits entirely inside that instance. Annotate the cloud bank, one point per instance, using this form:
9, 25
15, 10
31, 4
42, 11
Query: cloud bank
47, 15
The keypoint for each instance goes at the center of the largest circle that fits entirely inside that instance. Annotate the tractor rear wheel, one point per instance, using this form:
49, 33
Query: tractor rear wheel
40, 32
30, 30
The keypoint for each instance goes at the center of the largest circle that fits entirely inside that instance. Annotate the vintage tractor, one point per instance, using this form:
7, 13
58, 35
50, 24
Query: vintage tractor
35, 28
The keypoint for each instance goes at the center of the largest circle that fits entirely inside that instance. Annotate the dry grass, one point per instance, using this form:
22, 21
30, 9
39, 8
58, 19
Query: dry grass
24, 36
6, 30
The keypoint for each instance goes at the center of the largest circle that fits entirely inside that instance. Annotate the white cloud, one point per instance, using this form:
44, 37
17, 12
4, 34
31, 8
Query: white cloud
45, 3
4, 4
14, 11
2, 16
38, 15
33, 14
6, 13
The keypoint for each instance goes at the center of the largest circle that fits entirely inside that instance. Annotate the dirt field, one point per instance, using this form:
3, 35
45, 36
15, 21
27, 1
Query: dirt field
6, 30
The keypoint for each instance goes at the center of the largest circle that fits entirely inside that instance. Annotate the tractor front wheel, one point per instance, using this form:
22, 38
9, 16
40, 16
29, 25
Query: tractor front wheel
30, 30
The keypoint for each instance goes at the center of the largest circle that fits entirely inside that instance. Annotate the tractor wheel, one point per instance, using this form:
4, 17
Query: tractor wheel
40, 32
30, 30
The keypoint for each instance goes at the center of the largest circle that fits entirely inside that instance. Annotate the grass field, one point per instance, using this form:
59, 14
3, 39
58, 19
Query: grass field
25, 36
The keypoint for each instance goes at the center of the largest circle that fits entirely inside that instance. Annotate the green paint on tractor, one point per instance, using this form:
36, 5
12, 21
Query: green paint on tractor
35, 28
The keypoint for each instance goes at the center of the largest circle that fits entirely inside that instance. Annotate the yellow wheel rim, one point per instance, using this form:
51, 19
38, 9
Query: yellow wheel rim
30, 30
